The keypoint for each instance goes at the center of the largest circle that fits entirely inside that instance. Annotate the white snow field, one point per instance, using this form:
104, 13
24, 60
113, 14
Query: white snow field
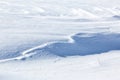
59, 39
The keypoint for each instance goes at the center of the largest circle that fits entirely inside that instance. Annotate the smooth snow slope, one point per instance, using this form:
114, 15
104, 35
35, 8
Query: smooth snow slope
59, 40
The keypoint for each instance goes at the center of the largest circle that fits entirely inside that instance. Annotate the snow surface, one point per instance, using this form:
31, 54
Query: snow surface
59, 40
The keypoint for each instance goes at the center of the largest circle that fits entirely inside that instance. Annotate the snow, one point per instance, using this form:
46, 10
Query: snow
103, 66
59, 40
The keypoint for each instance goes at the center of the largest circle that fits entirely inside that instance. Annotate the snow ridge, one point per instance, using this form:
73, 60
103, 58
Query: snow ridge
79, 44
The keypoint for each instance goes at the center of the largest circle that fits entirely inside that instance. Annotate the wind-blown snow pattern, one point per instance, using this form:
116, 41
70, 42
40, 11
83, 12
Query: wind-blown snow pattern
59, 39
79, 44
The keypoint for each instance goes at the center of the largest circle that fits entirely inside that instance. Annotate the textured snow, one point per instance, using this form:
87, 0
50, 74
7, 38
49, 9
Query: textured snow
59, 40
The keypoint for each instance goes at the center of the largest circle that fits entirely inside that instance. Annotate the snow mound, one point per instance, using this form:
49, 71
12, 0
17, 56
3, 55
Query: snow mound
79, 44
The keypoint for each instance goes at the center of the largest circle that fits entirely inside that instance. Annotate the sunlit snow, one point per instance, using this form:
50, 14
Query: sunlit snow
59, 39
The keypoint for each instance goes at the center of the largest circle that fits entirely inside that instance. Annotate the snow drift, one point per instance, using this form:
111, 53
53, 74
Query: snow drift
34, 39
79, 44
